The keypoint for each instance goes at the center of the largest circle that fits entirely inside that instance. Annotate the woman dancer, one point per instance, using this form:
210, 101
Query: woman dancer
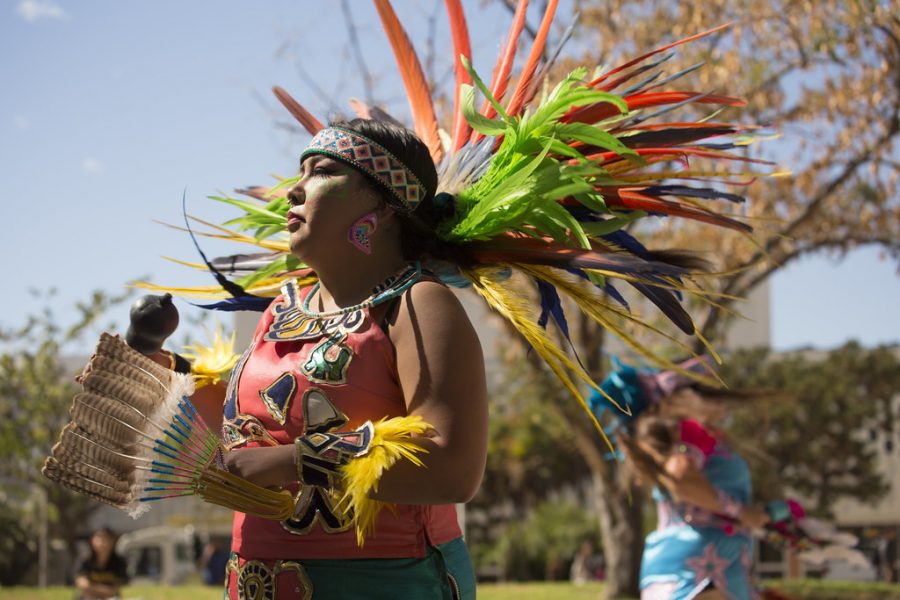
701, 548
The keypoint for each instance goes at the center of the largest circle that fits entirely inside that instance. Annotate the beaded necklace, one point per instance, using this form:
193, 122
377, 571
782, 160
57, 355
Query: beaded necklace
297, 321
389, 289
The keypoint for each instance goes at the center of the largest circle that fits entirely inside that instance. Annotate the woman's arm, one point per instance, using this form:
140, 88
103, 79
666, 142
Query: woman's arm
441, 369
688, 484
96, 590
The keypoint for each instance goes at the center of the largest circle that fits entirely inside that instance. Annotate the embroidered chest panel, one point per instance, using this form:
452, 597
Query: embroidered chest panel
298, 384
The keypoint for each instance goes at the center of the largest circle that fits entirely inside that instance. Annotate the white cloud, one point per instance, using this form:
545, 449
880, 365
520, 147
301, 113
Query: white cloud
92, 165
21, 122
32, 10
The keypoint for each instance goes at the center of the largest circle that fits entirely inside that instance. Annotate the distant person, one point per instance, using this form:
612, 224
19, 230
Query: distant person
581, 565
213, 562
886, 555
103, 573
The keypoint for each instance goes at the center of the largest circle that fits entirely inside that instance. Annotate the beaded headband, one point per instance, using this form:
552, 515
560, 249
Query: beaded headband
372, 159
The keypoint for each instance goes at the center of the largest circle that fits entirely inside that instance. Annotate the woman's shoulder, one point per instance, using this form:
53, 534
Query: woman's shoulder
431, 307
431, 297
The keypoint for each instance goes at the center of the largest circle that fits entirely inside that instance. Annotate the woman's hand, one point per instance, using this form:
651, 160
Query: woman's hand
753, 517
269, 466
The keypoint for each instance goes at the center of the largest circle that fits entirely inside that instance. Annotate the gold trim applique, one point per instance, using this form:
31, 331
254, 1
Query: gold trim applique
291, 324
277, 396
329, 361
256, 581
318, 504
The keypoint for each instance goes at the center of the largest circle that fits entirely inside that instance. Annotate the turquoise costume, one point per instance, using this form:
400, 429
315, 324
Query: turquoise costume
692, 548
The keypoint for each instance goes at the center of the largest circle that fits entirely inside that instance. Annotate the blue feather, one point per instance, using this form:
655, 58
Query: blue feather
615, 295
692, 192
627, 241
253, 303
227, 285
551, 305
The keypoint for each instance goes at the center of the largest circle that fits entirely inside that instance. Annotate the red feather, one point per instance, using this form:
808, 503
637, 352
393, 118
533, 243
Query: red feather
309, 122
417, 89
632, 199
461, 46
676, 153
519, 97
500, 78
603, 110
635, 61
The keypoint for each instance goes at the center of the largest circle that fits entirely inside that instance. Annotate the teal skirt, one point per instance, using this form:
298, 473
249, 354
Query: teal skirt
445, 573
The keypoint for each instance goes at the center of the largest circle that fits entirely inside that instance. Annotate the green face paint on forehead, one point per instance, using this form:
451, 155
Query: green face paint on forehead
337, 183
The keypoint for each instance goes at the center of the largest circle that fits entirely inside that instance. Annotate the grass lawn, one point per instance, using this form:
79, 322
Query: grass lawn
508, 591
802, 590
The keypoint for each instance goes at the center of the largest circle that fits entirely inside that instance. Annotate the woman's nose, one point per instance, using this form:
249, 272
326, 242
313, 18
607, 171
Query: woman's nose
296, 196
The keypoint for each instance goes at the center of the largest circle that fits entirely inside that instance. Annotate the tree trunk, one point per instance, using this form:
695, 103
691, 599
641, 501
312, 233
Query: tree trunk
620, 509
621, 527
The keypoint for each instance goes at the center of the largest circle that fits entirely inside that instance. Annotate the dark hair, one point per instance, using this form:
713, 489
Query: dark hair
418, 227
105, 531
644, 465
659, 426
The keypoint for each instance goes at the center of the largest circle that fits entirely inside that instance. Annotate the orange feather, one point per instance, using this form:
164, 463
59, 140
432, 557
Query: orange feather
519, 97
461, 46
309, 122
500, 78
417, 89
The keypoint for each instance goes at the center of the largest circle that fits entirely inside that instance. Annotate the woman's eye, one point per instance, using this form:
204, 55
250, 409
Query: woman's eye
320, 172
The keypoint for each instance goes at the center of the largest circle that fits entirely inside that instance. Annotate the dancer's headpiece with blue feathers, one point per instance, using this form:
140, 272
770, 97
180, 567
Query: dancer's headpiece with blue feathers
637, 389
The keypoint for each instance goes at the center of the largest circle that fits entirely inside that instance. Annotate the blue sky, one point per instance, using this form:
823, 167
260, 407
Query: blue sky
110, 110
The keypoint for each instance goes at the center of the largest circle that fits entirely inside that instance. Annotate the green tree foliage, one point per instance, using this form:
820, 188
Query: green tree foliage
542, 545
36, 389
818, 436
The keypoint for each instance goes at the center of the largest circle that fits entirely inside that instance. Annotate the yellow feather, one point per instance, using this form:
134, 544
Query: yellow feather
269, 288
209, 363
282, 245
600, 312
393, 439
518, 311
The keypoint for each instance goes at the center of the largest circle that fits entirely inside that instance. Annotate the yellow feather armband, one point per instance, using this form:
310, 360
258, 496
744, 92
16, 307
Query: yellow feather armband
354, 461
392, 440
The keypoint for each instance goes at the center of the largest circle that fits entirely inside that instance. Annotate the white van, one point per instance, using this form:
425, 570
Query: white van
160, 555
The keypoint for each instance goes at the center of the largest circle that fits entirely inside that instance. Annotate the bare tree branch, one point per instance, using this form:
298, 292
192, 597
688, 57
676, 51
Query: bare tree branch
353, 36
511, 6
429, 46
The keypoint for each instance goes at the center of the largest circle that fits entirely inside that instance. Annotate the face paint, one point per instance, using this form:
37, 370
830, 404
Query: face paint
360, 234
325, 204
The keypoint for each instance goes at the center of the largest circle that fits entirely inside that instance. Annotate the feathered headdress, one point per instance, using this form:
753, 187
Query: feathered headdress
542, 184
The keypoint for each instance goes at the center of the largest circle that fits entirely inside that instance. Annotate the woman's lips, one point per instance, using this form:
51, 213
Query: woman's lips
293, 221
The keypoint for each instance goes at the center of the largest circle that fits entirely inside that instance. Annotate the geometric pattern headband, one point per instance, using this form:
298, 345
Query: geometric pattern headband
372, 159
